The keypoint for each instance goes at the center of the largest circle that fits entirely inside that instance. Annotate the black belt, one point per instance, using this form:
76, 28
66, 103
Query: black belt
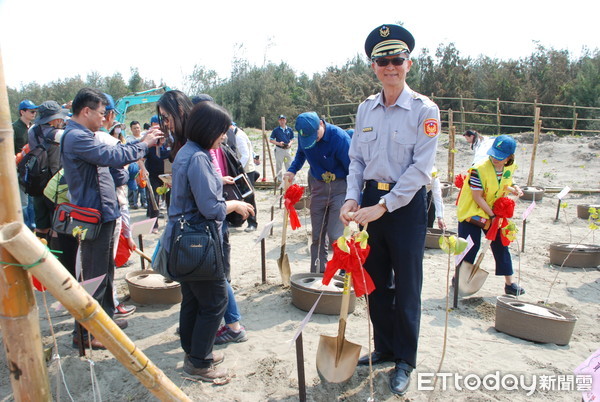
380, 186
278, 146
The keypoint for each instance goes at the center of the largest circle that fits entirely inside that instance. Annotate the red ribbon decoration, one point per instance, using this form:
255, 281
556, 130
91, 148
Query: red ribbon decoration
503, 209
353, 263
459, 181
37, 284
292, 196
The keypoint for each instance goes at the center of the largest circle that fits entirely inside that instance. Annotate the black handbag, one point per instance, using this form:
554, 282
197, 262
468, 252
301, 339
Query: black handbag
196, 253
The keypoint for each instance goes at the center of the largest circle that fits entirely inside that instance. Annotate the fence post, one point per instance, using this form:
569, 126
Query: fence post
498, 116
574, 118
536, 138
462, 115
535, 108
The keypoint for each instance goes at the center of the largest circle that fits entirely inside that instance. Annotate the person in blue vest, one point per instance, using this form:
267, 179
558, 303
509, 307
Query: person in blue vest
325, 147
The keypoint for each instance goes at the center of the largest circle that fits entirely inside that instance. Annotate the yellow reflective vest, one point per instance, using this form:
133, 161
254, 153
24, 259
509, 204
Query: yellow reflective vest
492, 189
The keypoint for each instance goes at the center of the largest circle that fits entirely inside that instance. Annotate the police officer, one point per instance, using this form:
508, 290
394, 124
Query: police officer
391, 159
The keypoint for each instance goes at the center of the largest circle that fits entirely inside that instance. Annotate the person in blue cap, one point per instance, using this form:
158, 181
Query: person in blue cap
485, 182
325, 147
282, 137
27, 113
391, 158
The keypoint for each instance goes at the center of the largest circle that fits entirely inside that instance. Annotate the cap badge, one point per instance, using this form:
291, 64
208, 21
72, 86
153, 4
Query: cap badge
384, 31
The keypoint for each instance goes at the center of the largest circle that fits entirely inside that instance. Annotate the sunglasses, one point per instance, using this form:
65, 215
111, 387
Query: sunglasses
396, 61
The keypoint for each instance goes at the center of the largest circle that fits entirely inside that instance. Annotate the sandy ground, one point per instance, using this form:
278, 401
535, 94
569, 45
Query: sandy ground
264, 367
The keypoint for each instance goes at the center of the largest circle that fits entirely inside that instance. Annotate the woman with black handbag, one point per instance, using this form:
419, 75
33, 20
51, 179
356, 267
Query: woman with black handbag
196, 196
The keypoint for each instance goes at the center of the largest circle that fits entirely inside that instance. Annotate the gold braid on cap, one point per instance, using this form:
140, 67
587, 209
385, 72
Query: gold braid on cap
389, 47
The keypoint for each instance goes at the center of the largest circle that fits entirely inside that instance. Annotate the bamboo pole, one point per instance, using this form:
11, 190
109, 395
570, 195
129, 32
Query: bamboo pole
26, 249
536, 139
19, 320
451, 155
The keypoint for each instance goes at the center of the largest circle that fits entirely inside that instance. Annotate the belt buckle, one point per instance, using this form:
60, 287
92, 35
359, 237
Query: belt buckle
383, 186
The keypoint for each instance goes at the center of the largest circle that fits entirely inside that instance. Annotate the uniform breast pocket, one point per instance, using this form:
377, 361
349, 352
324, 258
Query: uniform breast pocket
367, 144
404, 145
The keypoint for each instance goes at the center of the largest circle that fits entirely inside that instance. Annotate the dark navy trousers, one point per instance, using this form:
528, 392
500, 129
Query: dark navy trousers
395, 263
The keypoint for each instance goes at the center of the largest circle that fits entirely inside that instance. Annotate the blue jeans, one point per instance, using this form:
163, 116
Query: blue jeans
232, 313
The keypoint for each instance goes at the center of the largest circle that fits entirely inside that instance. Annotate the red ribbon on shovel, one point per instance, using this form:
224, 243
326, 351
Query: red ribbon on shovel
292, 196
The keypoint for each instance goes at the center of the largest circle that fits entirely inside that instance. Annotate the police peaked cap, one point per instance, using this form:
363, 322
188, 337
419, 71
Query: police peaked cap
389, 40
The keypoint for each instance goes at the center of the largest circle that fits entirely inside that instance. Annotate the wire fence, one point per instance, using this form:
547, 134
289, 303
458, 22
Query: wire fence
491, 116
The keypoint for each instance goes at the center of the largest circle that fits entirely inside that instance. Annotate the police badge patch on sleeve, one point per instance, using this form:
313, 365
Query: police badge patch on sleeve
431, 127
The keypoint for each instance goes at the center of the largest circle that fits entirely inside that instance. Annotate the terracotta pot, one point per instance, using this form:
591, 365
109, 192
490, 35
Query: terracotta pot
531, 193
433, 237
149, 287
575, 255
533, 322
583, 210
307, 287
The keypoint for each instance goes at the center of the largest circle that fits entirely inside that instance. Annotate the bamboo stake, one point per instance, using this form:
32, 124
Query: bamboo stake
264, 148
19, 320
268, 148
451, 145
536, 138
26, 249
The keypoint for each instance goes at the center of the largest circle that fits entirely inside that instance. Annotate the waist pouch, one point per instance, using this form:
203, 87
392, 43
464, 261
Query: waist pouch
480, 221
68, 216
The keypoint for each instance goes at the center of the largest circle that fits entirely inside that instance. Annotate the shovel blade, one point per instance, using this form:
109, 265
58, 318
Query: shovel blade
284, 269
340, 369
468, 282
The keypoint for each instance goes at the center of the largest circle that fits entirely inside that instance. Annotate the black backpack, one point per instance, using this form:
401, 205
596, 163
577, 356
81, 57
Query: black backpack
35, 169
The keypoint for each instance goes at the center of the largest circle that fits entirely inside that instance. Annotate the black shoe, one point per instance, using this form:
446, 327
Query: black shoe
121, 323
514, 290
400, 378
376, 358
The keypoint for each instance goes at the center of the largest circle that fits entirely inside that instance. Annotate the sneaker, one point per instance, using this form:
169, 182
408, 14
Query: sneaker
226, 335
122, 311
514, 289
250, 228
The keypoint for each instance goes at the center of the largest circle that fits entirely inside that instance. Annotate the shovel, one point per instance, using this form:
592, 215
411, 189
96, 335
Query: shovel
283, 262
336, 357
470, 276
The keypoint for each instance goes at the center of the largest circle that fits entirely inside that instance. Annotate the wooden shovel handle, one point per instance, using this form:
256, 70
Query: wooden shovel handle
144, 255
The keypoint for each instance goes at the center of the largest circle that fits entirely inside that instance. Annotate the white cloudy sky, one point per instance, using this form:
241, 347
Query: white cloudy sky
44, 41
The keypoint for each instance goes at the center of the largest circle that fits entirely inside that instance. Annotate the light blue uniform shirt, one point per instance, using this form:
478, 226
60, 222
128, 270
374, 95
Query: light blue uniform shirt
396, 144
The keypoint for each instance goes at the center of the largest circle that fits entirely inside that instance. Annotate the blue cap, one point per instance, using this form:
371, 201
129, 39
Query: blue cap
27, 105
307, 125
282, 116
350, 132
154, 119
504, 146
111, 103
